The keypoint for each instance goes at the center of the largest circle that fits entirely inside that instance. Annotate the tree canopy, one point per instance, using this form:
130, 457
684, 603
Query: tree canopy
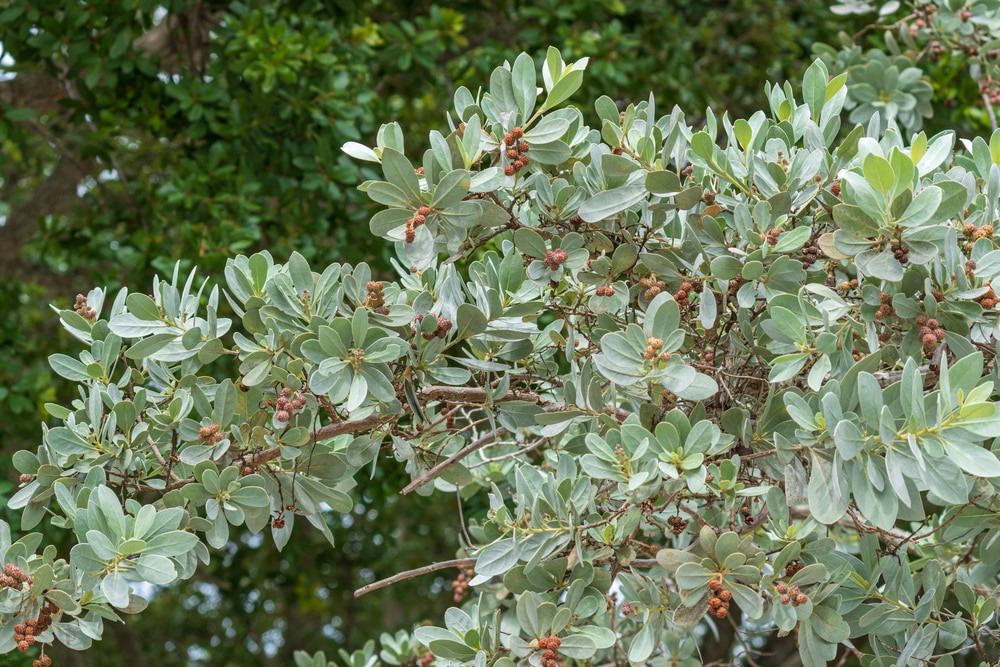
667, 378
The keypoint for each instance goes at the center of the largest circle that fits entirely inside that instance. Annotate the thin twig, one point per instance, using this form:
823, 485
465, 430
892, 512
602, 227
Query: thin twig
324, 433
410, 574
990, 112
474, 395
461, 518
496, 459
163, 462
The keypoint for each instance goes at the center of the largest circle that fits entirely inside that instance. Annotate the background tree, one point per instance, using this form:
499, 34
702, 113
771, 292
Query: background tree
204, 193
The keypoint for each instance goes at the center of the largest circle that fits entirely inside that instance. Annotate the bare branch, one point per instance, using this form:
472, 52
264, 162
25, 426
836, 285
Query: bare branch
410, 574
432, 474
161, 460
476, 395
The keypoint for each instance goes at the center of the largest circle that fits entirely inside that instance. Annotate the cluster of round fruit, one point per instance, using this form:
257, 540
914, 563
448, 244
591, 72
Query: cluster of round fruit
810, 255
791, 595
443, 327
989, 87
25, 633
848, 285
550, 645
718, 603
287, 404
900, 252
973, 234
653, 347
771, 237
554, 259
604, 291
83, 310
209, 434
681, 295
516, 150
460, 585
885, 310
931, 333
677, 524
419, 218
14, 577
653, 287
989, 299
376, 298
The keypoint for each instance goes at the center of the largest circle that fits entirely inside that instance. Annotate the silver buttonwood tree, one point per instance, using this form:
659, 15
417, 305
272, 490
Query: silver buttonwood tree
732, 381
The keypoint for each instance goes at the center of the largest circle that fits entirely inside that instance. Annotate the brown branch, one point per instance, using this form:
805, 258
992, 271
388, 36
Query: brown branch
410, 574
33, 90
854, 520
162, 461
885, 378
160, 40
433, 473
474, 395
990, 112
324, 433
471, 395
458, 563
55, 196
